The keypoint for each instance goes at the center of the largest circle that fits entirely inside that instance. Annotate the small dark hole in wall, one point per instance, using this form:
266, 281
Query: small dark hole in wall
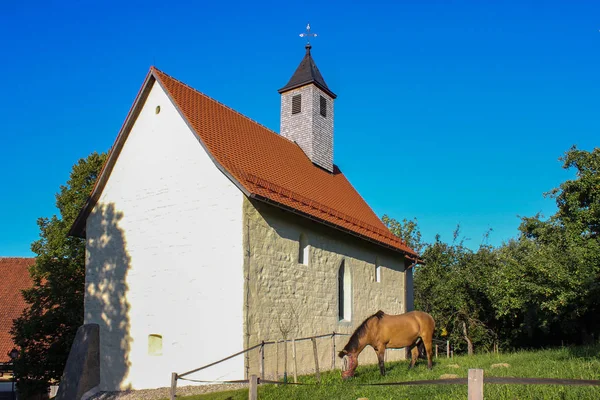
157, 109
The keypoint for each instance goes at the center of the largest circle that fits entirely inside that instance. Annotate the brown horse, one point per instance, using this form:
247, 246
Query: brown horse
382, 331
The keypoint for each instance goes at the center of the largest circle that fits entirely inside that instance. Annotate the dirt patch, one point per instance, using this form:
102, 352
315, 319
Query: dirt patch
163, 393
448, 376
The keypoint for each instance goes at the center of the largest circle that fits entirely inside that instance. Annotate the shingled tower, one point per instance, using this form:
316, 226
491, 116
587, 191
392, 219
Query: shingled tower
307, 112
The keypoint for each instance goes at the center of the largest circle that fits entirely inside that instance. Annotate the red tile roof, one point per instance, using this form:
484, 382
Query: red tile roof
14, 277
262, 163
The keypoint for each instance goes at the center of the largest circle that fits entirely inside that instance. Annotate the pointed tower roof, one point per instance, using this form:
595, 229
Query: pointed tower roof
307, 72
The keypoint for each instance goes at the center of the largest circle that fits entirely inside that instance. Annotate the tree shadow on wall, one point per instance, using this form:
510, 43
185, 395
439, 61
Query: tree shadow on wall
106, 301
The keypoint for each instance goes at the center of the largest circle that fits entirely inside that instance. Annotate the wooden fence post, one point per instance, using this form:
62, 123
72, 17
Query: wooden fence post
253, 389
317, 373
294, 357
447, 349
173, 385
261, 356
333, 351
277, 360
285, 363
475, 384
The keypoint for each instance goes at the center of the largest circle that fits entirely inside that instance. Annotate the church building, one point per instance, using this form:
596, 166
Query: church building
207, 233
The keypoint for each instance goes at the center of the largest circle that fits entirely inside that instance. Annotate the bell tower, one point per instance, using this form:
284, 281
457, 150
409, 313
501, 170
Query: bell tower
307, 111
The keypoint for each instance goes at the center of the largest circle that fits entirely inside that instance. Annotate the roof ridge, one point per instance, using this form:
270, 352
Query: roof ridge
221, 137
16, 258
383, 233
222, 104
281, 137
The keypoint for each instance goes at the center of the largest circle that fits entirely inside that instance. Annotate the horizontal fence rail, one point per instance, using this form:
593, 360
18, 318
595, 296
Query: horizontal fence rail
541, 381
220, 361
474, 381
182, 376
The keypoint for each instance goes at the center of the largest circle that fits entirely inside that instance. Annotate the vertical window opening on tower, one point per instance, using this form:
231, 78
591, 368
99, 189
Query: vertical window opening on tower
323, 106
296, 104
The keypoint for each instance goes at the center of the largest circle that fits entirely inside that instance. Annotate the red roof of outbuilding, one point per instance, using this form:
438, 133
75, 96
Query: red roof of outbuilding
262, 163
14, 277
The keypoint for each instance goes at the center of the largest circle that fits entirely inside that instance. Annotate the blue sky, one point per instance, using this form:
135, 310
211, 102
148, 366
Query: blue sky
453, 112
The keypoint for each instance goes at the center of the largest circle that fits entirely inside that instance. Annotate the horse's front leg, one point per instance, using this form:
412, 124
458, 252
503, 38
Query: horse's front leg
414, 356
380, 357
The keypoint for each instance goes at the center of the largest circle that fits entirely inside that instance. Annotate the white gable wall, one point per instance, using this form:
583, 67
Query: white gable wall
164, 257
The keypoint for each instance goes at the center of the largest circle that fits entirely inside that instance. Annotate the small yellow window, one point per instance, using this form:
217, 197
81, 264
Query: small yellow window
155, 344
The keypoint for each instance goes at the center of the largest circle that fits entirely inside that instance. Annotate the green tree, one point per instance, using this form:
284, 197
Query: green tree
537, 289
546, 288
45, 331
451, 286
566, 247
407, 230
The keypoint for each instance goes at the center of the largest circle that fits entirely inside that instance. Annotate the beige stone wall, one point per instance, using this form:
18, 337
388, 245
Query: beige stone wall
279, 287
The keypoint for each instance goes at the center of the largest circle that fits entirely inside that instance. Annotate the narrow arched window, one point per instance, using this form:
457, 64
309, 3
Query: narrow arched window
344, 293
303, 250
377, 270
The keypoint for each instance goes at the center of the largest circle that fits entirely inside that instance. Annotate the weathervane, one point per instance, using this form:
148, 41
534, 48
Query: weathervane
308, 34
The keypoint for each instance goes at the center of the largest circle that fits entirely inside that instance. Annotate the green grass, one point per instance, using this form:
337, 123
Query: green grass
567, 363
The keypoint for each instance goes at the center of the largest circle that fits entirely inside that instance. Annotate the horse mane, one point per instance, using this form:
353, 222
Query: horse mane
358, 333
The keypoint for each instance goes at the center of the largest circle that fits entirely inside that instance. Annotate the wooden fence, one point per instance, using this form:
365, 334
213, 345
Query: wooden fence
313, 339
261, 356
449, 349
474, 383
261, 349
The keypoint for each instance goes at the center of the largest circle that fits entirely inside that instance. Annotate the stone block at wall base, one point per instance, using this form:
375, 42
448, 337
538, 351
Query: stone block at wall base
82, 371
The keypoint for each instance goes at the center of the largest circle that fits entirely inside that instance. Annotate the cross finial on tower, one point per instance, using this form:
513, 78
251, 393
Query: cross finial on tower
308, 35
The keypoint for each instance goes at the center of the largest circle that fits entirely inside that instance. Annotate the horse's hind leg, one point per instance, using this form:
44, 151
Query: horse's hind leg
429, 351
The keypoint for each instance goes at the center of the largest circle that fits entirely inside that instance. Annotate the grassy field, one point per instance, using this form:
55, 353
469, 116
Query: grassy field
568, 363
